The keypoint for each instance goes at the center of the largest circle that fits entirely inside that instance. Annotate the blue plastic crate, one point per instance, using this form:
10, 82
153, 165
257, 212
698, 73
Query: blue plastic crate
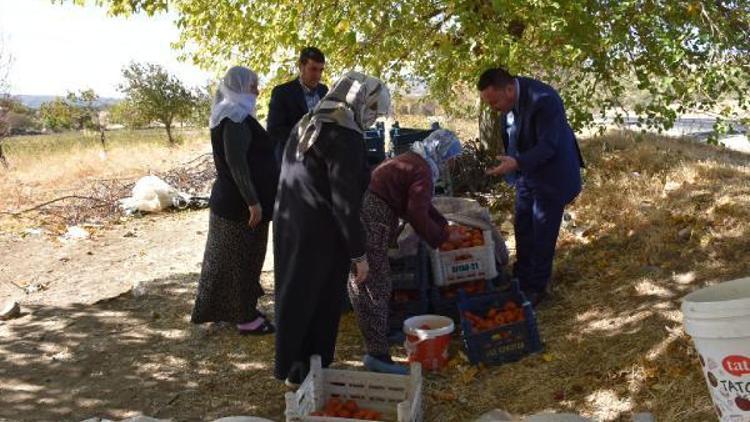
440, 304
411, 272
375, 144
506, 343
402, 138
399, 311
409, 277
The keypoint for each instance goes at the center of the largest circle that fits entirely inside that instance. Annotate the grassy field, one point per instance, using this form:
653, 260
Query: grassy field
48, 166
65, 142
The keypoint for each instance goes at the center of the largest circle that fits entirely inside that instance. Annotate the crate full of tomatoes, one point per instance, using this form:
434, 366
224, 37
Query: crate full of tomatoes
444, 300
499, 328
326, 395
470, 258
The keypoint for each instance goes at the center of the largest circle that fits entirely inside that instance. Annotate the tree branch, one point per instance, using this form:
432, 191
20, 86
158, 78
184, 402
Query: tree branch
44, 204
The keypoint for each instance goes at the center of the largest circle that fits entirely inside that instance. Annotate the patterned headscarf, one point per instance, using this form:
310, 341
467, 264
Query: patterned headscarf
440, 146
233, 98
355, 102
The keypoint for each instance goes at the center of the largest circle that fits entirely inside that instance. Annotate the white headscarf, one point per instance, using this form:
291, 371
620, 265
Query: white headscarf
355, 102
437, 148
233, 98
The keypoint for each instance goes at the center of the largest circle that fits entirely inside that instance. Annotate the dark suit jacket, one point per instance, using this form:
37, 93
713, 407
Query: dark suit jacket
549, 157
287, 108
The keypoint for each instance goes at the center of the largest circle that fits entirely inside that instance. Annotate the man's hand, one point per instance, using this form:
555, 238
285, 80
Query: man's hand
256, 214
507, 165
360, 270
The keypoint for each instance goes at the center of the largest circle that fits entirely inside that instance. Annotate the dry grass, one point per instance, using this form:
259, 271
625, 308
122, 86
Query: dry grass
658, 218
51, 166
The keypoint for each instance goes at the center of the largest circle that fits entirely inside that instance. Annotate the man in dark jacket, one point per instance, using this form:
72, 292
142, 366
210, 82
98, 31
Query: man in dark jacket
292, 100
542, 160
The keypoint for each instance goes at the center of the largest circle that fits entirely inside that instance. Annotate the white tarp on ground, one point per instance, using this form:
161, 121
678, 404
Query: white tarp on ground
152, 194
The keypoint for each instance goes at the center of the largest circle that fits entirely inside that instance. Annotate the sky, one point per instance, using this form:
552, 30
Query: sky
60, 48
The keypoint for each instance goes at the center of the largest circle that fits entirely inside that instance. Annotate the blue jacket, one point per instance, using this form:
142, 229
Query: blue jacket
549, 157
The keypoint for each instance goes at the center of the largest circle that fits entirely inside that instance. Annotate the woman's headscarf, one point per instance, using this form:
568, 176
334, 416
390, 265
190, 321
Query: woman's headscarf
355, 102
440, 146
233, 98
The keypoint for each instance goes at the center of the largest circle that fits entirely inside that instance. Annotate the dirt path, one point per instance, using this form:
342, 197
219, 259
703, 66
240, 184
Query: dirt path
107, 264
88, 346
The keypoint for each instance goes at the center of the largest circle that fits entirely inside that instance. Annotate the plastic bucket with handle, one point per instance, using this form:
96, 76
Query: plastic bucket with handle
427, 340
718, 320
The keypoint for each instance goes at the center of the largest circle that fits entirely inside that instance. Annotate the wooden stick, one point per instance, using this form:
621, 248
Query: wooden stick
36, 207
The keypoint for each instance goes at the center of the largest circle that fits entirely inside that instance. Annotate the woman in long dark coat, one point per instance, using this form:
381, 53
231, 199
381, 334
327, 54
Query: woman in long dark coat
241, 204
318, 235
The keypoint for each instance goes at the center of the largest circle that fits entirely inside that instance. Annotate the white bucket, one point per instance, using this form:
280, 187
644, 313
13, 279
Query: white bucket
718, 320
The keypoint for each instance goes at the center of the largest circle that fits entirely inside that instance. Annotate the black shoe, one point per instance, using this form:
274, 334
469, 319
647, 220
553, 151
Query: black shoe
297, 374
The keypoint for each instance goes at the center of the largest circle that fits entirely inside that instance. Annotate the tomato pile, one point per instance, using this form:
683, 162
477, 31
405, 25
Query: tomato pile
495, 317
349, 409
470, 237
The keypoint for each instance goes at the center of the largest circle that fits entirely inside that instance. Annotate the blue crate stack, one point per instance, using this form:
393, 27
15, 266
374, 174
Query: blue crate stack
410, 274
506, 343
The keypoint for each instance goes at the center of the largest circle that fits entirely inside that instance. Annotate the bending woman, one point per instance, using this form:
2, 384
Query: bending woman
401, 187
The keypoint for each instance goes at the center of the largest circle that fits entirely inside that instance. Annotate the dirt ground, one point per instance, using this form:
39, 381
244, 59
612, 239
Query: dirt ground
87, 345
105, 331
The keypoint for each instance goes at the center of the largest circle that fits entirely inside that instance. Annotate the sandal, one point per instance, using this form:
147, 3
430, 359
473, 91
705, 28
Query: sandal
265, 327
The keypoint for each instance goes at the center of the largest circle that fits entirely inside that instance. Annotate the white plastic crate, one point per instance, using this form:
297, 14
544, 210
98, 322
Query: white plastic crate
466, 264
397, 397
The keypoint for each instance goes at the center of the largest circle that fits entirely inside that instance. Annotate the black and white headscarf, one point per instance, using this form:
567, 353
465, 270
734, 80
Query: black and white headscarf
355, 102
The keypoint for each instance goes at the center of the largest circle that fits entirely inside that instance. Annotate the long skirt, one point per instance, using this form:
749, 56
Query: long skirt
229, 285
370, 299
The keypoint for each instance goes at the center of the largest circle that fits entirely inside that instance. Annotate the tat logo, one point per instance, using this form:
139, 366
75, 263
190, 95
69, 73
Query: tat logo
736, 365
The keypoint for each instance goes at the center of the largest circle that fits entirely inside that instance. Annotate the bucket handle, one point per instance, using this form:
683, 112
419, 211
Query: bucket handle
411, 346
422, 336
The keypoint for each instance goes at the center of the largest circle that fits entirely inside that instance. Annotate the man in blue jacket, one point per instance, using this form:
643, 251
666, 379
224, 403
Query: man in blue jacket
542, 160
292, 100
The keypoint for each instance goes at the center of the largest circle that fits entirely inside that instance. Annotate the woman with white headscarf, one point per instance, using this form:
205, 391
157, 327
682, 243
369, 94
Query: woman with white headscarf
401, 187
241, 205
318, 235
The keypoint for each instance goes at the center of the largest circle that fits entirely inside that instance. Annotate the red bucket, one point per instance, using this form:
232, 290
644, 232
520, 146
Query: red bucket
427, 340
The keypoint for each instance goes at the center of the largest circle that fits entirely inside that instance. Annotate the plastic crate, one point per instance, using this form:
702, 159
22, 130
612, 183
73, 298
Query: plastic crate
410, 281
402, 138
375, 144
399, 310
396, 397
505, 343
375, 151
444, 300
465, 264
411, 272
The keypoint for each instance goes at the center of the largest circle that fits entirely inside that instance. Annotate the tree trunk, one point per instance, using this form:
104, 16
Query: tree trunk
3, 159
4, 131
101, 138
489, 129
168, 126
